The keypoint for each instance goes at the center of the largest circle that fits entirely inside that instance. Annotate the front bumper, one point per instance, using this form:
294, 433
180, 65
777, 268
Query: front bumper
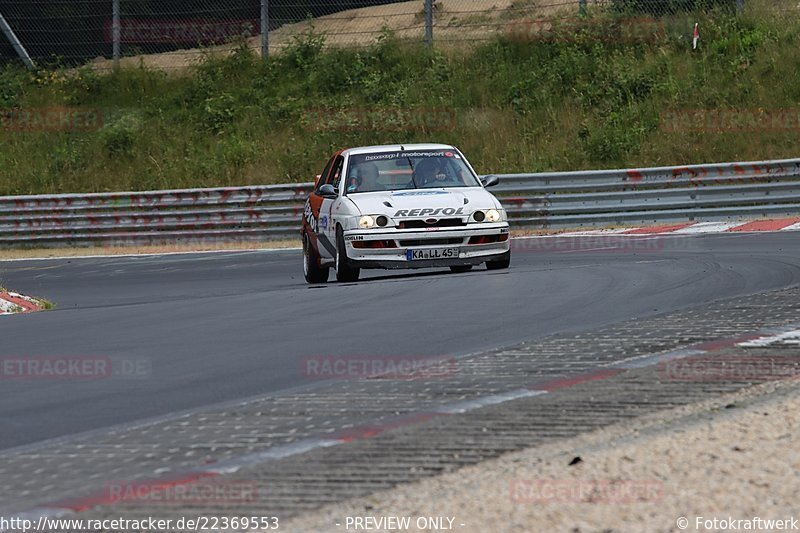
414, 239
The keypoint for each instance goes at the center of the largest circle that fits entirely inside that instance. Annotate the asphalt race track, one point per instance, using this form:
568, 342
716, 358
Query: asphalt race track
214, 328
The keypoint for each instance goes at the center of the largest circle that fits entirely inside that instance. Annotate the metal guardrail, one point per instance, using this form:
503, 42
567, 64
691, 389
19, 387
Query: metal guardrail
534, 201
153, 217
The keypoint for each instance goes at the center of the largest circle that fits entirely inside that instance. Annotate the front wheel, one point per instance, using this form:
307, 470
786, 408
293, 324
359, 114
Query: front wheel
499, 264
344, 271
311, 269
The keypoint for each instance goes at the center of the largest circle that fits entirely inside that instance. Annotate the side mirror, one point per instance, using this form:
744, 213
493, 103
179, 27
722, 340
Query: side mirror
490, 181
327, 191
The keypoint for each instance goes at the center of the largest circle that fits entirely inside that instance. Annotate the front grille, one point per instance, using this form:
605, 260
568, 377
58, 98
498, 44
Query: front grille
431, 242
441, 223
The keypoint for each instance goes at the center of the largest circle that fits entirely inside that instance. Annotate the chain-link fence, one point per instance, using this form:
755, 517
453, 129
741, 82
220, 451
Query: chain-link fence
179, 33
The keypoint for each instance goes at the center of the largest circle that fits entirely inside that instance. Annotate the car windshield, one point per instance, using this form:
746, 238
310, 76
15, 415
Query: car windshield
422, 169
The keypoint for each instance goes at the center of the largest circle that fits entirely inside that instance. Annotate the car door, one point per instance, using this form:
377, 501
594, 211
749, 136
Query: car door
327, 222
319, 210
314, 212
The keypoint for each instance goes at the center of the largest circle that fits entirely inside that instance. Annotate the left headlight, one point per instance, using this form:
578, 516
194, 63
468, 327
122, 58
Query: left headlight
493, 215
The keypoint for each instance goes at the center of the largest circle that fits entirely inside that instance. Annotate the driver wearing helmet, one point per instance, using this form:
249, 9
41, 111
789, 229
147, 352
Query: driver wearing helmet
431, 173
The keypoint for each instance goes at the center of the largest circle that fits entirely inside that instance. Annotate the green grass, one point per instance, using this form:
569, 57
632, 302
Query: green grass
519, 103
45, 304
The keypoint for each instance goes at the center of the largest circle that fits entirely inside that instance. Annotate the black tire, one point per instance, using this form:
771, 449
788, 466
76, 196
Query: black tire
499, 264
311, 269
345, 272
461, 268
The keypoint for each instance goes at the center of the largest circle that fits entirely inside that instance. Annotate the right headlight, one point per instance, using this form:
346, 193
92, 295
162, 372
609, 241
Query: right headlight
371, 221
366, 222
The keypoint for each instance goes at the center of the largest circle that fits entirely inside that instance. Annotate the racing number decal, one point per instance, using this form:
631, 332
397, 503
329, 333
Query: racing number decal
308, 214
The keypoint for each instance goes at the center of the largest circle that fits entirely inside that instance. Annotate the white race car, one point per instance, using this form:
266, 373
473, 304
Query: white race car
401, 206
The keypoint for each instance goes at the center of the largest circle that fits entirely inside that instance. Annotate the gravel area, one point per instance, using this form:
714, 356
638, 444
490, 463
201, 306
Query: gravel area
734, 457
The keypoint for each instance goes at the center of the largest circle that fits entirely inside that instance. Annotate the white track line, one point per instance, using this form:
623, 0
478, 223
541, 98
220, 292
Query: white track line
234, 464
788, 337
793, 227
484, 401
646, 360
153, 254
709, 227
594, 232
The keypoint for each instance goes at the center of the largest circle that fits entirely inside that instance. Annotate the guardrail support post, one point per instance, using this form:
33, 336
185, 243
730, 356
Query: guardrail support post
582, 7
264, 29
739, 5
16, 43
429, 23
115, 34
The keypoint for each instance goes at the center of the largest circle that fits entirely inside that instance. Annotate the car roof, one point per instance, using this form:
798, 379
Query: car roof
396, 148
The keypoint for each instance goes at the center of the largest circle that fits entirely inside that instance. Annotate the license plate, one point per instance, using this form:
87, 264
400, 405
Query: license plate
432, 253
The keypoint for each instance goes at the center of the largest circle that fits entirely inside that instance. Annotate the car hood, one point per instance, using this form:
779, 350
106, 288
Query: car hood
390, 202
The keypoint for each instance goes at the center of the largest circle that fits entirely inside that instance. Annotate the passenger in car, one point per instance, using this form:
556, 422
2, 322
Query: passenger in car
366, 179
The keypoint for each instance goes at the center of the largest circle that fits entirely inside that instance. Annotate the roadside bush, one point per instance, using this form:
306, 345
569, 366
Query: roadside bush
11, 86
118, 134
219, 112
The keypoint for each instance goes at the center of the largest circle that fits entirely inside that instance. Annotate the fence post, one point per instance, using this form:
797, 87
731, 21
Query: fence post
115, 33
18, 47
429, 22
264, 29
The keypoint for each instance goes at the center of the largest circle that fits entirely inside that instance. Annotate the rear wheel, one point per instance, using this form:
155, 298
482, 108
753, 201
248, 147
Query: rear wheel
311, 269
344, 270
499, 264
461, 268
